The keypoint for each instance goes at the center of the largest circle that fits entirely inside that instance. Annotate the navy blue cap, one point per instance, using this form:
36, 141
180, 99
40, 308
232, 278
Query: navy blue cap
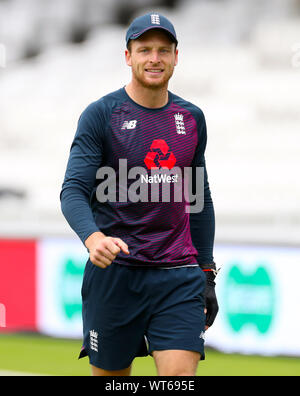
147, 22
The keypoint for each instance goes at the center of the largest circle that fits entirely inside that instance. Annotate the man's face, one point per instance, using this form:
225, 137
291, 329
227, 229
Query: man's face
152, 58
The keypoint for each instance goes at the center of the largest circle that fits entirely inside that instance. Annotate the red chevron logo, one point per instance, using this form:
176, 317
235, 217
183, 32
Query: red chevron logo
160, 156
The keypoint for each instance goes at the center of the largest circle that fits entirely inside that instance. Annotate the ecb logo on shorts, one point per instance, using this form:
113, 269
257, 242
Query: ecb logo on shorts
94, 340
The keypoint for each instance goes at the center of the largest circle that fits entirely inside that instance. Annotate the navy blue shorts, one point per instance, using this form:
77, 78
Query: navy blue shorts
130, 312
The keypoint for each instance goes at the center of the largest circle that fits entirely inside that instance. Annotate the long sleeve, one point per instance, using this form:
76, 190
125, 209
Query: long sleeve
85, 159
202, 224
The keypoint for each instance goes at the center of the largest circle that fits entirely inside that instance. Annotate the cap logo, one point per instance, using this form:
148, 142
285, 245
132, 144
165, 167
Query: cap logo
155, 19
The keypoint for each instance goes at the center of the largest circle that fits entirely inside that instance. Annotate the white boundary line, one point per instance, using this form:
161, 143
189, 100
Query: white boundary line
9, 373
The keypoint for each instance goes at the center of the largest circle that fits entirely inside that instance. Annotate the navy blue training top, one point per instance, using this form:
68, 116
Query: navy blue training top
150, 143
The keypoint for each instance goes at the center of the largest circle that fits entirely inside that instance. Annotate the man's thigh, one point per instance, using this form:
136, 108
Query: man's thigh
176, 362
178, 319
114, 317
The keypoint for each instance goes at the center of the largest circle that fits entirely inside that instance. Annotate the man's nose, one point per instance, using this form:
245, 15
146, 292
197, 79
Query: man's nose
155, 57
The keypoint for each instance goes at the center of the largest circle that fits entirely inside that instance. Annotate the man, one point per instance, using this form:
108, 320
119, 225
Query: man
150, 275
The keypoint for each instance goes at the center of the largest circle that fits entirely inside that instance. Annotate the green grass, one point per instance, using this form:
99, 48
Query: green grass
44, 355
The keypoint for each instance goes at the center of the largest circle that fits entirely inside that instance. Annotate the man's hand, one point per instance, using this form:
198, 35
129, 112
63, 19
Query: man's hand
103, 250
211, 302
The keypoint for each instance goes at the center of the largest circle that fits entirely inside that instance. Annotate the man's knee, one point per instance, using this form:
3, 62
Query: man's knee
178, 373
98, 372
176, 362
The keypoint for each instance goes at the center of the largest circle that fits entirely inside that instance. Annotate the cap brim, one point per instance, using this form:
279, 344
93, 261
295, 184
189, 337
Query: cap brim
137, 35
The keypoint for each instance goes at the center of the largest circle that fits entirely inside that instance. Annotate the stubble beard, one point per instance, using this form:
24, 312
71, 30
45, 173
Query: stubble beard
153, 85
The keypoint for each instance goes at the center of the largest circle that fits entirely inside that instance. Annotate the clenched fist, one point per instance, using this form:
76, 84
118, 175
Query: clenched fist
104, 249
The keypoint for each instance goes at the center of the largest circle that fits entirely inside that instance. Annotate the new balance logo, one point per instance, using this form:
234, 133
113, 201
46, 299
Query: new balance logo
129, 124
94, 340
155, 19
180, 128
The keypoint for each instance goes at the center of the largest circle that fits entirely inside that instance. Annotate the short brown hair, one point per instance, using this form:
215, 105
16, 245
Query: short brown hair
129, 44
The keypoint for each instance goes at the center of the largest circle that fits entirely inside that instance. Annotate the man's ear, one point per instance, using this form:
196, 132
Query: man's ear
128, 57
176, 57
